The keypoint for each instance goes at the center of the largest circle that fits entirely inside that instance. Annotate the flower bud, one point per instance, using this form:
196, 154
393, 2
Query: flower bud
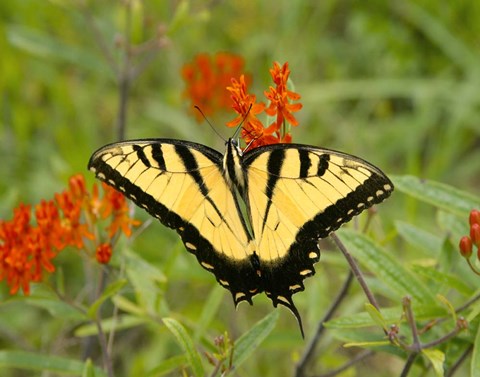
103, 253
465, 246
475, 234
474, 217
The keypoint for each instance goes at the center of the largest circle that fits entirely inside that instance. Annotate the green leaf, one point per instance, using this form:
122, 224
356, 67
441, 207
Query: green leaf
186, 342
110, 291
56, 307
380, 343
451, 281
145, 278
475, 364
449, 306
168, 365
389, 315
42, 45
120, 322
249, 342
400, 279
376, 316
474, 308
89, 369
210, 309
437, 358
43, 363
438, 194
421, 239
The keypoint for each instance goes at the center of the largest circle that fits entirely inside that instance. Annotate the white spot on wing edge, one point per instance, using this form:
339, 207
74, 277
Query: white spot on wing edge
305, 272
191, 246
239, 295
281, 298
207, 265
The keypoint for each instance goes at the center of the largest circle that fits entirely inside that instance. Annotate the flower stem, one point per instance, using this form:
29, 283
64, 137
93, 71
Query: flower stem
356, 271
309, 350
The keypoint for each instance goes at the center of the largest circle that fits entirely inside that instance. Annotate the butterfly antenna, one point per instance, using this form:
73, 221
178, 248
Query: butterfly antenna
210, 124
237, 131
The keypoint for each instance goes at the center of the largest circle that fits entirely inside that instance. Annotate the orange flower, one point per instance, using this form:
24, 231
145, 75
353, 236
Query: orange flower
115, 205
279, 97
103, 253
247, 108
253, 131
27, 251
206, 78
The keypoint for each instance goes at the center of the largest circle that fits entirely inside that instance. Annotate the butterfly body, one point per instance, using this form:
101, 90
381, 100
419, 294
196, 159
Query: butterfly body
293, 195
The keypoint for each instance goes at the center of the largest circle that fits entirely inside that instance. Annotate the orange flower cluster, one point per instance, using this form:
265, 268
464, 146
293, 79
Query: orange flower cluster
27, 250
207, 77
280, 107
467, 242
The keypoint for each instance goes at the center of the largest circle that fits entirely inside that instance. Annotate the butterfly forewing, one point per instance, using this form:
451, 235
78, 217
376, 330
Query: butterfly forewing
182, 185
298, 194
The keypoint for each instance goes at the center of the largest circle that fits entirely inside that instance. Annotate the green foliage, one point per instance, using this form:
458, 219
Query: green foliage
393, 82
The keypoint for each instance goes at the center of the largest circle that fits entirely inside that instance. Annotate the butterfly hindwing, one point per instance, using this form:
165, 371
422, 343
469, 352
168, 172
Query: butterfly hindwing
296, 195
182, 185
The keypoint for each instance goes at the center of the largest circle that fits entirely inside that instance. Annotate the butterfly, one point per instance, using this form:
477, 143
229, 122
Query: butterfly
252, 219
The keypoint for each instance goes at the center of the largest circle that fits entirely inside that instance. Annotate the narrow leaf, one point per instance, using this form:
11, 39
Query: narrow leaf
475, 363
167, 366
438, 194
376, 316
449, 306
43, 363
210, 309
390, 315
111, 290
436, 358
449, 280
38, 43
400, 279
145, 278
89, 369
120, 322
421, 239
251, 340
186, 342
380, 343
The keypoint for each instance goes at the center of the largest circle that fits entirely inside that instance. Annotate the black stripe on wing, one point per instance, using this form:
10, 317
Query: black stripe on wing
238, 276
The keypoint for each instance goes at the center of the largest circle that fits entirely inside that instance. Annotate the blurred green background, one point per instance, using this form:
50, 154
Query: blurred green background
395, 82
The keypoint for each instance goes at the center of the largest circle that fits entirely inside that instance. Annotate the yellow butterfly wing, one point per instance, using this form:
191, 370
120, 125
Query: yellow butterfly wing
297, 194
182, 184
